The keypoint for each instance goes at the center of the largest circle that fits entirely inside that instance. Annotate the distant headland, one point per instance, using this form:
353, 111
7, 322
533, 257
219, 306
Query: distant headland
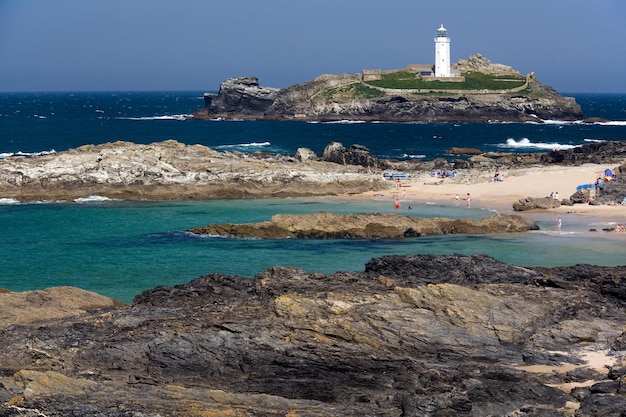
470, 90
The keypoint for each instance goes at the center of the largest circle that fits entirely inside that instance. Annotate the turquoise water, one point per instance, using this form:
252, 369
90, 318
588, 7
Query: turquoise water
120, 248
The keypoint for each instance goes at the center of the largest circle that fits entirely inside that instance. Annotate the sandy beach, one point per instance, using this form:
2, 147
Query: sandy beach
517, 184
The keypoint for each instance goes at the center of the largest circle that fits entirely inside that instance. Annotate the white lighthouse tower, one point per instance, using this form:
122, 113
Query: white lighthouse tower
442, 53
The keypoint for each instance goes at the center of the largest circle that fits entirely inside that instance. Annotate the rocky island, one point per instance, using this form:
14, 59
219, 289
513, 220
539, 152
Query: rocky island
481, 92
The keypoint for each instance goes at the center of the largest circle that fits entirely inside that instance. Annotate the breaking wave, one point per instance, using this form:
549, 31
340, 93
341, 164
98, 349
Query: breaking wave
25, 154
525, 143
165, 117
244, 145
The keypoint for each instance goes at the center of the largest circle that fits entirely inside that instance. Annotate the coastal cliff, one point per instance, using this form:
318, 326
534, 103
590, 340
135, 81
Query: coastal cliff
417, 335
353, 97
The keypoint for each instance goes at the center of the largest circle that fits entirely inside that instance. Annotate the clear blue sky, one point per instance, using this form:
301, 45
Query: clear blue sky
77, 45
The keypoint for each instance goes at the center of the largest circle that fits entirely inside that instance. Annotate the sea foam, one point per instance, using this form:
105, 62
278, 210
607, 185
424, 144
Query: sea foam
526, 143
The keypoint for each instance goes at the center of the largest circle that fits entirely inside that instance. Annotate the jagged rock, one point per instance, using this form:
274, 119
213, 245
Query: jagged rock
363, 226
241, 95
410, 335
355, 155
532, 203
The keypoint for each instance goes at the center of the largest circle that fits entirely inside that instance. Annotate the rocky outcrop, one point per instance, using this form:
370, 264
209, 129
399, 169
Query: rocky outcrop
338, 97
364, 226
593, 153
171, 170
418, 335
241, 95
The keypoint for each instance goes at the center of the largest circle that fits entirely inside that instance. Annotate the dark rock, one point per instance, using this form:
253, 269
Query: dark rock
355, 155
580, 196
411, 335
242, 96
593, 153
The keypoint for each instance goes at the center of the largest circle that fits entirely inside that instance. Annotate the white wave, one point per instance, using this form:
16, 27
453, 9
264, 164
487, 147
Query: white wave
39, 116
612, 123
221, 119
8, 201
411, 156
22, 154
165, 117
92, 199
244, 145
595, 140
346, 122
562, 122
526, 143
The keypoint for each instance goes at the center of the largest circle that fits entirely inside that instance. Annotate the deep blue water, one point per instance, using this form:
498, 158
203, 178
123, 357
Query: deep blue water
59, 121
120, 248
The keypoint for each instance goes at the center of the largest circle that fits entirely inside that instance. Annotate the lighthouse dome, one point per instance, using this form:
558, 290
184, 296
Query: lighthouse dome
442, 32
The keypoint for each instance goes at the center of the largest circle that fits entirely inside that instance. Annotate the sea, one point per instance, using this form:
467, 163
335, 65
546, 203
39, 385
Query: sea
120, 248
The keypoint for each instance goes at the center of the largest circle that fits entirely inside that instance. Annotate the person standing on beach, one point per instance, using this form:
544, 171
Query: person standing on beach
469, 199
558, 224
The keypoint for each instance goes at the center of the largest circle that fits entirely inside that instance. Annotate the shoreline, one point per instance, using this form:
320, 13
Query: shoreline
518, 183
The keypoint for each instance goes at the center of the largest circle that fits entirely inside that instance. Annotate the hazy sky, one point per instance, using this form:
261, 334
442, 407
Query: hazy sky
72, 45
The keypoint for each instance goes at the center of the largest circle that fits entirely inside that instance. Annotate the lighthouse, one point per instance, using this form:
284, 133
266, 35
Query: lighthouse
442, 53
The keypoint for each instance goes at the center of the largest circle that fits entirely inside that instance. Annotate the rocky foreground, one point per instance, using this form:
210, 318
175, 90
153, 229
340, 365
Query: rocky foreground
414, 335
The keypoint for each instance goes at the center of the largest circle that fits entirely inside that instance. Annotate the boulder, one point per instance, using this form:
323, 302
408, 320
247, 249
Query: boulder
305, 154
533, 203
355, 155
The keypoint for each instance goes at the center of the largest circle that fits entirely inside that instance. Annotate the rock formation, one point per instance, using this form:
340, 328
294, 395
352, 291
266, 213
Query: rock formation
418, 335
171, 170
364, 226
338, 97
